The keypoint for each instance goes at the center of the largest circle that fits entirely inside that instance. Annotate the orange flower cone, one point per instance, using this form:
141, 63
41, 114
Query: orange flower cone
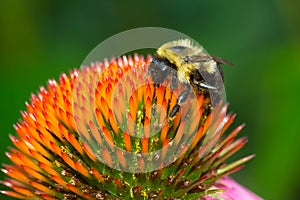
76, 137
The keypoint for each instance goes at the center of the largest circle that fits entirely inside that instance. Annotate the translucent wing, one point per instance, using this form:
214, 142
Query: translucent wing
205, 57
222, 61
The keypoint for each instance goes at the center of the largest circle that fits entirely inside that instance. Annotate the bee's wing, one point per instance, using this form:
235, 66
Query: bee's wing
205, 57
200, 58
222, 61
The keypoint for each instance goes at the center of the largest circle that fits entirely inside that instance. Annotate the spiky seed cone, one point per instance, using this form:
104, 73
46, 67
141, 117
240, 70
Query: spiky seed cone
70, 140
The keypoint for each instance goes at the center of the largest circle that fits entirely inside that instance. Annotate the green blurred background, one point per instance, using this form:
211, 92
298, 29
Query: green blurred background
41, 39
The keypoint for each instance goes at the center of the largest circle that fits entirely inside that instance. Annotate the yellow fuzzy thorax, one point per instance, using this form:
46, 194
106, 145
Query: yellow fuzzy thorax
184, 69
185, 47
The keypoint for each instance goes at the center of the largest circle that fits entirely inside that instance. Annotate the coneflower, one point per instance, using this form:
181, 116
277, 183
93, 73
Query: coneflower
101, 134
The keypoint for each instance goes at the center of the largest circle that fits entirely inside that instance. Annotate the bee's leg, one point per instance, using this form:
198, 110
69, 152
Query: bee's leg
174, 82
174, 111
207, 86
181, 100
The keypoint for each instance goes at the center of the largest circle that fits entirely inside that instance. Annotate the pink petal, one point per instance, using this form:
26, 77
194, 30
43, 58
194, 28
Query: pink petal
232, 191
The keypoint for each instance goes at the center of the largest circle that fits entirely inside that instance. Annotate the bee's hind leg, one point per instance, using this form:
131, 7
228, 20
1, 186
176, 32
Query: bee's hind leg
180, 100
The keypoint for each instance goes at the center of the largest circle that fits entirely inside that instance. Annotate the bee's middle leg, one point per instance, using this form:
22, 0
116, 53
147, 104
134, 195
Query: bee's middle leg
180, 100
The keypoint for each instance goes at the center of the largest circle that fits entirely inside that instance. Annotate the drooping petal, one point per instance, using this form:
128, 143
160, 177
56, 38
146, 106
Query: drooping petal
231, 191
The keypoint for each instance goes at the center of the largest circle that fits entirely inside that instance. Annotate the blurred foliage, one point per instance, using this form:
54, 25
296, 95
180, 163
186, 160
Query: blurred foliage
41, 39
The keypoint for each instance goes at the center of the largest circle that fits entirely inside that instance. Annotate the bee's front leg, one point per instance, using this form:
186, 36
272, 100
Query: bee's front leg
174, 78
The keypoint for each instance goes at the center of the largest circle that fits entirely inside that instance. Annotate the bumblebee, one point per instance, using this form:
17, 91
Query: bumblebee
187, 63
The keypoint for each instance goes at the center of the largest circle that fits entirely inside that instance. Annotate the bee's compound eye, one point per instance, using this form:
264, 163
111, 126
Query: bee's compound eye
186, 59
